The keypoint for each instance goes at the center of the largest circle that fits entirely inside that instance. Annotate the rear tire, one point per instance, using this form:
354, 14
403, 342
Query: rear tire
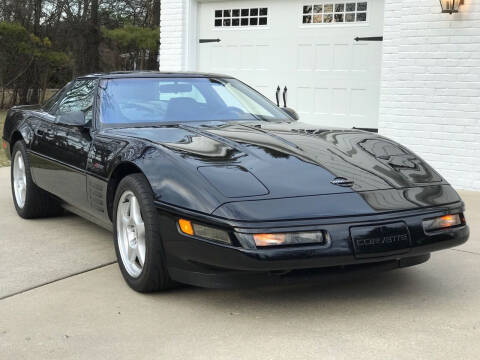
137, 236
30, 201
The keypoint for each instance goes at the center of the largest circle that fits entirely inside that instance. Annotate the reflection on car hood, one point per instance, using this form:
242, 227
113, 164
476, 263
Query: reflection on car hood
294, 159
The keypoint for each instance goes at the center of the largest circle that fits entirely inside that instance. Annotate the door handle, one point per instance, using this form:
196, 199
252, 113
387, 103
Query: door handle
369, 38
203, 41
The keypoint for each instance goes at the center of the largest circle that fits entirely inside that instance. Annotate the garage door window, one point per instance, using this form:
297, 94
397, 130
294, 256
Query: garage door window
328, 13
241, 17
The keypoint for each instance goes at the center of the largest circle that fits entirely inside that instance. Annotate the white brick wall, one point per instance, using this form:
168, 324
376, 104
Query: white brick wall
430, 90
172, 30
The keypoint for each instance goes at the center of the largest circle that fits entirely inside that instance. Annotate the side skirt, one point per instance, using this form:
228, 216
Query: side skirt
106, 225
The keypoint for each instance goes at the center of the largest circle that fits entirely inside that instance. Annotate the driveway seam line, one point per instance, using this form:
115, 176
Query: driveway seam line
466, 251
56, 280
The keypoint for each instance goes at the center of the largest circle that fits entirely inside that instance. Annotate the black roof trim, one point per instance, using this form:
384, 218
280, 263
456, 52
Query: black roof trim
151, 74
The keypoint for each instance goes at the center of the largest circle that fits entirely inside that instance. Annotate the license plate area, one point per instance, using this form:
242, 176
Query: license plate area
380, 240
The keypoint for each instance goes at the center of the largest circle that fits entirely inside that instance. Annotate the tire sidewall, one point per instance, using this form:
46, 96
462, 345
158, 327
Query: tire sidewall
141, 190
20, 146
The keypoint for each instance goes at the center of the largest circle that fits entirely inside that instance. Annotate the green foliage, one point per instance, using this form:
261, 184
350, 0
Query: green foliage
133, 38
20, 49
15, 40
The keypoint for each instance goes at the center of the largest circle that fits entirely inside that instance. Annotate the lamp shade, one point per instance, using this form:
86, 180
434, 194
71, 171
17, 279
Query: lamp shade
450, 6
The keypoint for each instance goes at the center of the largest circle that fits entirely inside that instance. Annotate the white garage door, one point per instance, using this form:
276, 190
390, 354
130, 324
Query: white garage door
307, 46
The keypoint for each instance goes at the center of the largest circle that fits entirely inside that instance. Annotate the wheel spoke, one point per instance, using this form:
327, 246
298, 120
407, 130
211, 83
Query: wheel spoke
123, 209
22, 192
131, 252
20, 163
19, 179
140, 231
135, 211
141, 247
131, 233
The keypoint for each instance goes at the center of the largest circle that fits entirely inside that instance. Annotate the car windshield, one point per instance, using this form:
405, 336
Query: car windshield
164, 100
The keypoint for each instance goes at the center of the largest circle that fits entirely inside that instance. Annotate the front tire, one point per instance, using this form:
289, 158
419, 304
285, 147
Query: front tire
137, 237
30, 201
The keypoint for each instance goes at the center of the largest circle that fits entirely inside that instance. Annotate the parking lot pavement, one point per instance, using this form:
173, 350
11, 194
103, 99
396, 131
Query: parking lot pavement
34, 252
431, 311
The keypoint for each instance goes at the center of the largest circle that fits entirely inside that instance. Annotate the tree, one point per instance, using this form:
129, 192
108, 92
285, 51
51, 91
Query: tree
135, 43
94, 39
156, 9
21, 50
47, 42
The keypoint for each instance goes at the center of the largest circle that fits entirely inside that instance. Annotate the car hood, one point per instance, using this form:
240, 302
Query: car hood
276, 160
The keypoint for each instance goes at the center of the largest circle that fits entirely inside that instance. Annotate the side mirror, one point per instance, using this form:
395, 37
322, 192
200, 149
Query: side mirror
75, 118
292, 113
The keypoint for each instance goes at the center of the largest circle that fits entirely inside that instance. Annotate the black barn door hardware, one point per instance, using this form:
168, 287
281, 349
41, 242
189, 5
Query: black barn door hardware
202, 41
285, 97
277, 96
369, 38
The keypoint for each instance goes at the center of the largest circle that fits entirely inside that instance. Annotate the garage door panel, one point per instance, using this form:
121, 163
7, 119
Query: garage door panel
323, 57
263, 57
323, 101
340, 101
342, 57
361, 57
305, 57
331, 79
359, 102
247, 53
305, 100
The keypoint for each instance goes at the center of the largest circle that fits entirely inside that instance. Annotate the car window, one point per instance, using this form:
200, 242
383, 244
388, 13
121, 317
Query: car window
78, 98
49, 105
151, 100
179, 89
234, 98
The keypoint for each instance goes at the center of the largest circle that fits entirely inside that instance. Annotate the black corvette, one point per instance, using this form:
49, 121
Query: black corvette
206, 182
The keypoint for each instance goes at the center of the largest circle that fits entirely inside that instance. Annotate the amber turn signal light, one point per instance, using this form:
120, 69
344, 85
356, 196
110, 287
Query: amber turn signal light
203, 231
186, 226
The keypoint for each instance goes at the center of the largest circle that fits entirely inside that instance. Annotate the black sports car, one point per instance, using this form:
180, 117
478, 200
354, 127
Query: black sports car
204, 181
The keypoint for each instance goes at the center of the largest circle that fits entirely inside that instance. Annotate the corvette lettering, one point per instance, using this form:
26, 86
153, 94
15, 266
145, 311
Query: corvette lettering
391, 239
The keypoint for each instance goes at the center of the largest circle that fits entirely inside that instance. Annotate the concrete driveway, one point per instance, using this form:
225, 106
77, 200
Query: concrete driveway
61, 300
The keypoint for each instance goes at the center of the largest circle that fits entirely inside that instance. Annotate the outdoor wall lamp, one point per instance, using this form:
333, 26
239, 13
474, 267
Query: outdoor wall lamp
450, 6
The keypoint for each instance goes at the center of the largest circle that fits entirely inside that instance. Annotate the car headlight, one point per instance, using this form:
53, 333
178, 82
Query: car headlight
281, 239
443, 222
204, 231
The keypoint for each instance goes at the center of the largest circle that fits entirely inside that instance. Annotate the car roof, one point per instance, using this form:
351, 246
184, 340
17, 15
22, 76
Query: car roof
151, 74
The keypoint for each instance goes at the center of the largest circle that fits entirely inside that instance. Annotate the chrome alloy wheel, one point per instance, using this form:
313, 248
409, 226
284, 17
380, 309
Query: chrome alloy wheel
131, 234
19, 179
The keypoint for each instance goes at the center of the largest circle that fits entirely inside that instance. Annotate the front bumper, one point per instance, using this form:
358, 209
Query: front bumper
209, 264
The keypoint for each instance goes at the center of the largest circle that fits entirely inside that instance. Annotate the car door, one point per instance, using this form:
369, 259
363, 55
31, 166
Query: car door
69, 145
42, 145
